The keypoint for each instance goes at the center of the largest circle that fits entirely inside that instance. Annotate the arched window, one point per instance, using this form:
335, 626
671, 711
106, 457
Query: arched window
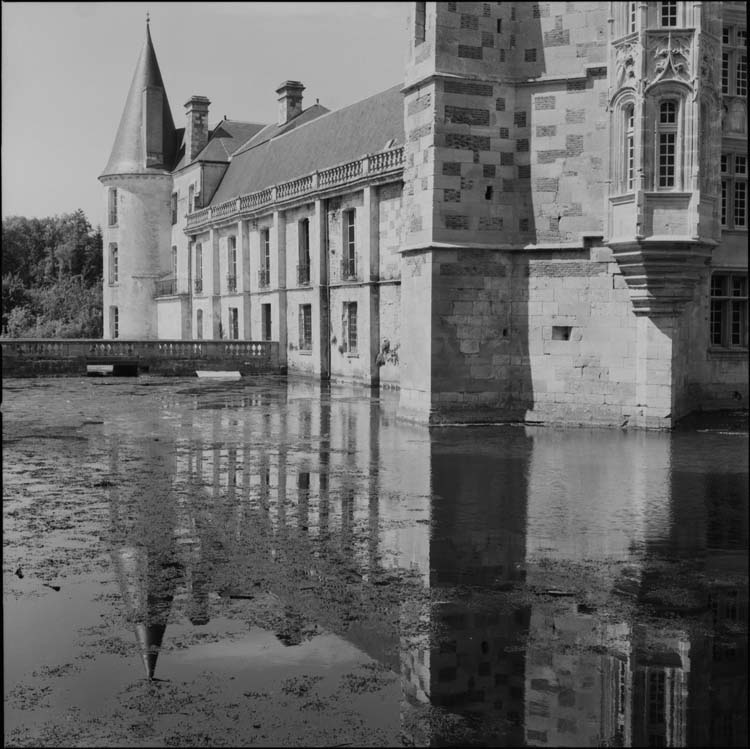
624, 146
667, 172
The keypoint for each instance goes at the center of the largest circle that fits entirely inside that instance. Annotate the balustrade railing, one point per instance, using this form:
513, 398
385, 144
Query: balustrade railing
166, 349
378, 163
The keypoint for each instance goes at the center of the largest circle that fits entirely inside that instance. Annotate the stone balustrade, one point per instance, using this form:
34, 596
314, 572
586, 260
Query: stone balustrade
337, 176
22, 355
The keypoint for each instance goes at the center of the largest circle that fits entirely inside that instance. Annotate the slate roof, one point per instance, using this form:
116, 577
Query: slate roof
273, 130
329, 139
128, 152
222, 141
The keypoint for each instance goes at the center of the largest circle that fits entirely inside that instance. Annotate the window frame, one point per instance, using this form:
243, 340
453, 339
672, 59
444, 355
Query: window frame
199, 324
733, 184
668, 135
112, 212
349, 329
349, 254
232, 263
669, 10
733, 61
305, 327
173, 254
198, 262
114, 263
114, 321
727, 309
173, 207
266, 322
264, 274
303, 252
234, 323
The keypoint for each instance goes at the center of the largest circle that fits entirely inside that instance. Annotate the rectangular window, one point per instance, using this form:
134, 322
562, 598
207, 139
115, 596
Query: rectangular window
174, 261
114, 322
725, 73
729, 310
303, 252
234, 323
199, 324
112, 213
741, 82
349, 267
632, 15
420, 18
726, 35
174, 208
232, 264
667, 159
349, 327
499, 25
191, 198
305, 327
656, 697
630, 149
734, 191
265, 317
114, 270
198, 268
669, 13
530, 55
264, 275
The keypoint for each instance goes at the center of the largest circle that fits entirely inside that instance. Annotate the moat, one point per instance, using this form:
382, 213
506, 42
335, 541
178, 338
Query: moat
293, 566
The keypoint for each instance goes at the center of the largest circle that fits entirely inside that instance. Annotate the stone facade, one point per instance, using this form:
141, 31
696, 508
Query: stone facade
560, 237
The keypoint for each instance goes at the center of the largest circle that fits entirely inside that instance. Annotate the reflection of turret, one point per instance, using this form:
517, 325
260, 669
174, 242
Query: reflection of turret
143, 521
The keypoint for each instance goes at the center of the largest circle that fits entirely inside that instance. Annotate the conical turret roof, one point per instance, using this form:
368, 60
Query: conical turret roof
146, 138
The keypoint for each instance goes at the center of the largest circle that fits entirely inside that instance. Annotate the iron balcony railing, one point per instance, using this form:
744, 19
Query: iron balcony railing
349, 269
303, 275
165, 287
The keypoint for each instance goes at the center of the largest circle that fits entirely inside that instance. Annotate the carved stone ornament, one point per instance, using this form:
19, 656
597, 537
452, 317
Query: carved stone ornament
671, 58
708, 66
626, 65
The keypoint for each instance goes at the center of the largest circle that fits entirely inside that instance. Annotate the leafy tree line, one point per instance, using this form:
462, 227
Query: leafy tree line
52, 277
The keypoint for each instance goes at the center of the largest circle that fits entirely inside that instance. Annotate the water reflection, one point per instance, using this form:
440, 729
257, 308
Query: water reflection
531, 587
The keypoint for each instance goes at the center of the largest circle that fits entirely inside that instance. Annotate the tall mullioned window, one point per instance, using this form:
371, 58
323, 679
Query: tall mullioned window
349, 262
349, 327
667, 144
198, 268
734, 61
112, 212
303, 250
632, 16
264, 274
630, 148
232, 264
114, 263
729, 310
734, 190
305, 327
114, 322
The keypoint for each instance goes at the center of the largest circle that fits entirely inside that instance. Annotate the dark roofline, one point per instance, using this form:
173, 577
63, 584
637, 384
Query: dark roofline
242, 149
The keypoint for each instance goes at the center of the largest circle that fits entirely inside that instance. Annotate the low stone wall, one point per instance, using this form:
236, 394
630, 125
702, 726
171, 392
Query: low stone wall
50, 357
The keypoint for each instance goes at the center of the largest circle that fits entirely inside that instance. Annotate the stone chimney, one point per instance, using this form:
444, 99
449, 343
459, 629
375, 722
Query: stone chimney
196, 127
290, 100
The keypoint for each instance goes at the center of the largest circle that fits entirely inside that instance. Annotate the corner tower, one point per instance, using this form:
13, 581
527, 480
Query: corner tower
138, 185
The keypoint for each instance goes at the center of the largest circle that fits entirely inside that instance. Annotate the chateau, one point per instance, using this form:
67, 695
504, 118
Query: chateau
545, 220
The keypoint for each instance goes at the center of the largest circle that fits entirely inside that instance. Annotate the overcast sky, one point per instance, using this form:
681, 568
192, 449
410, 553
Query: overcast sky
67, 67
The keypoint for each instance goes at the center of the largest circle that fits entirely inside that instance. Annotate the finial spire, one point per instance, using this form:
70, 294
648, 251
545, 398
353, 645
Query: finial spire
148, 18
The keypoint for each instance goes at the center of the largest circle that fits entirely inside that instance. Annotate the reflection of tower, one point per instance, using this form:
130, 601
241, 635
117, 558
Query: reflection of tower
143, 521
474, 665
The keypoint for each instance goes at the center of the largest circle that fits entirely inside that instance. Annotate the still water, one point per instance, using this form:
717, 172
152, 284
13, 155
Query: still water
294, 566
